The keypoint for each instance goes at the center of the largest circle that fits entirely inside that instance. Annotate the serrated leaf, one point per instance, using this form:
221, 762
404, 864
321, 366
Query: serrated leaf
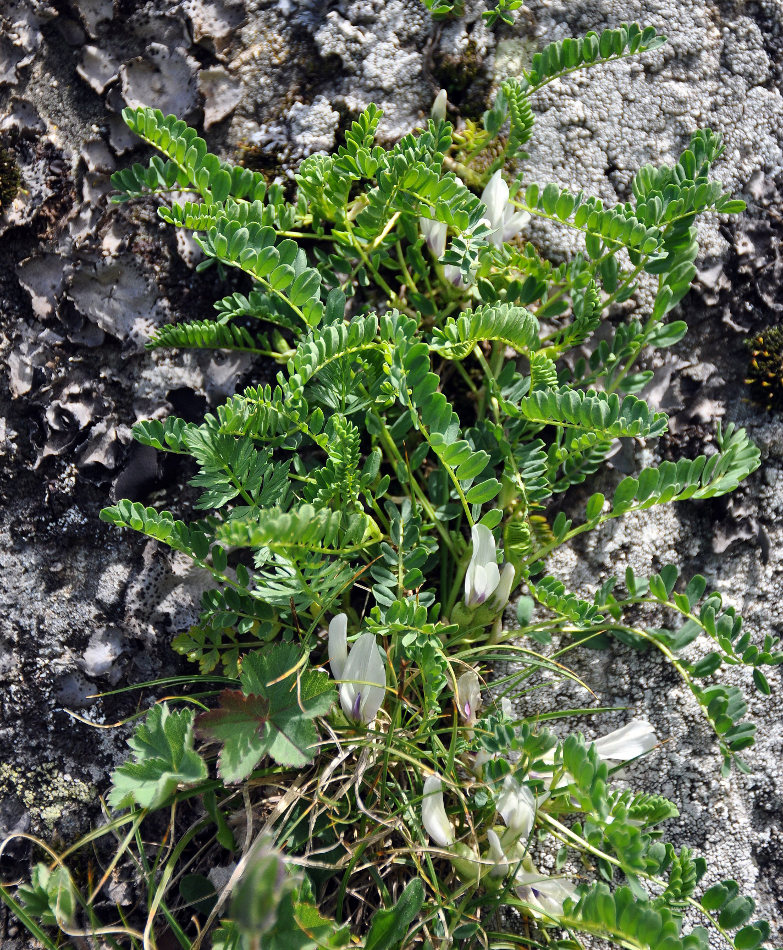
164, 758
272, 715
240, 724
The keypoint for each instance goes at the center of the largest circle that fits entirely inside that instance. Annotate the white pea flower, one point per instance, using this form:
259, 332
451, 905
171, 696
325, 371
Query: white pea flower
517, 806
433, 813
506, 222
482, 576
497, 856
468, 696
453, 275
363, 671
434, 233
438, 111
542, 892
633, 739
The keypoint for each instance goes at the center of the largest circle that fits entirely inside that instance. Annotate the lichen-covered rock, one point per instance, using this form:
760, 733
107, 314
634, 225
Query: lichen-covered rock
222, 93
596, 128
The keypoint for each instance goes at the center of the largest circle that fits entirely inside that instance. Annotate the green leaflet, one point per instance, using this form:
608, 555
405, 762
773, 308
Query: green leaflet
302, 529
569, 54
626, 916
700, 478
281, 268
604, 228
418, 390
552, 594
208, 335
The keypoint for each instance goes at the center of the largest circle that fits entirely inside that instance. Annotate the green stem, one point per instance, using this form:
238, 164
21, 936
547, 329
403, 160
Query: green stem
456, 587
491, 387
393, 298
394, 455
466, 376
406, 274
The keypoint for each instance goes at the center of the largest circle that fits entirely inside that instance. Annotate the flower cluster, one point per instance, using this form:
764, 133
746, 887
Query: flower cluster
507, 846
503, 219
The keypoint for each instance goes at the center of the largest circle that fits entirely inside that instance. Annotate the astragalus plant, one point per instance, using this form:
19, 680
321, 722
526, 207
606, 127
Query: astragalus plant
347, 761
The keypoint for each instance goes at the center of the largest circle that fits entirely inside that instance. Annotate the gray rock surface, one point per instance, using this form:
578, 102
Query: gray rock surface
86, 609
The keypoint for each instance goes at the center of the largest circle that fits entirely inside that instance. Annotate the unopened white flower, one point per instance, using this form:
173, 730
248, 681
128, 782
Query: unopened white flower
338, 644
633, 739
517, 806
497, 856
503, 590
433, 813
438, 111
468, 696
506, 222
434, 233
542, 892
364, 680
483, 575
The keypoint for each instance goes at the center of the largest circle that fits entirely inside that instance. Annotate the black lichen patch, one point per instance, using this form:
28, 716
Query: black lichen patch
10, 179
464, 75
765, 371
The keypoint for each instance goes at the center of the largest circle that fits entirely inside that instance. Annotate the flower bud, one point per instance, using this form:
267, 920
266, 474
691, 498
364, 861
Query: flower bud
434, 233
438, 111
433, 813
468, 696
338, 644
517, 806
496, 855
495, 198
503, 590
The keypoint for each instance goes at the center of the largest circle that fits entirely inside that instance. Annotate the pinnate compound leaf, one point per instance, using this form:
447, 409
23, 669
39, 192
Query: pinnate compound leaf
272, 715
504, 323
163, 759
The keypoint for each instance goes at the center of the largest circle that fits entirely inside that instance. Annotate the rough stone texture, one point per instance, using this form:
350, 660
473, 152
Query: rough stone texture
86, 609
